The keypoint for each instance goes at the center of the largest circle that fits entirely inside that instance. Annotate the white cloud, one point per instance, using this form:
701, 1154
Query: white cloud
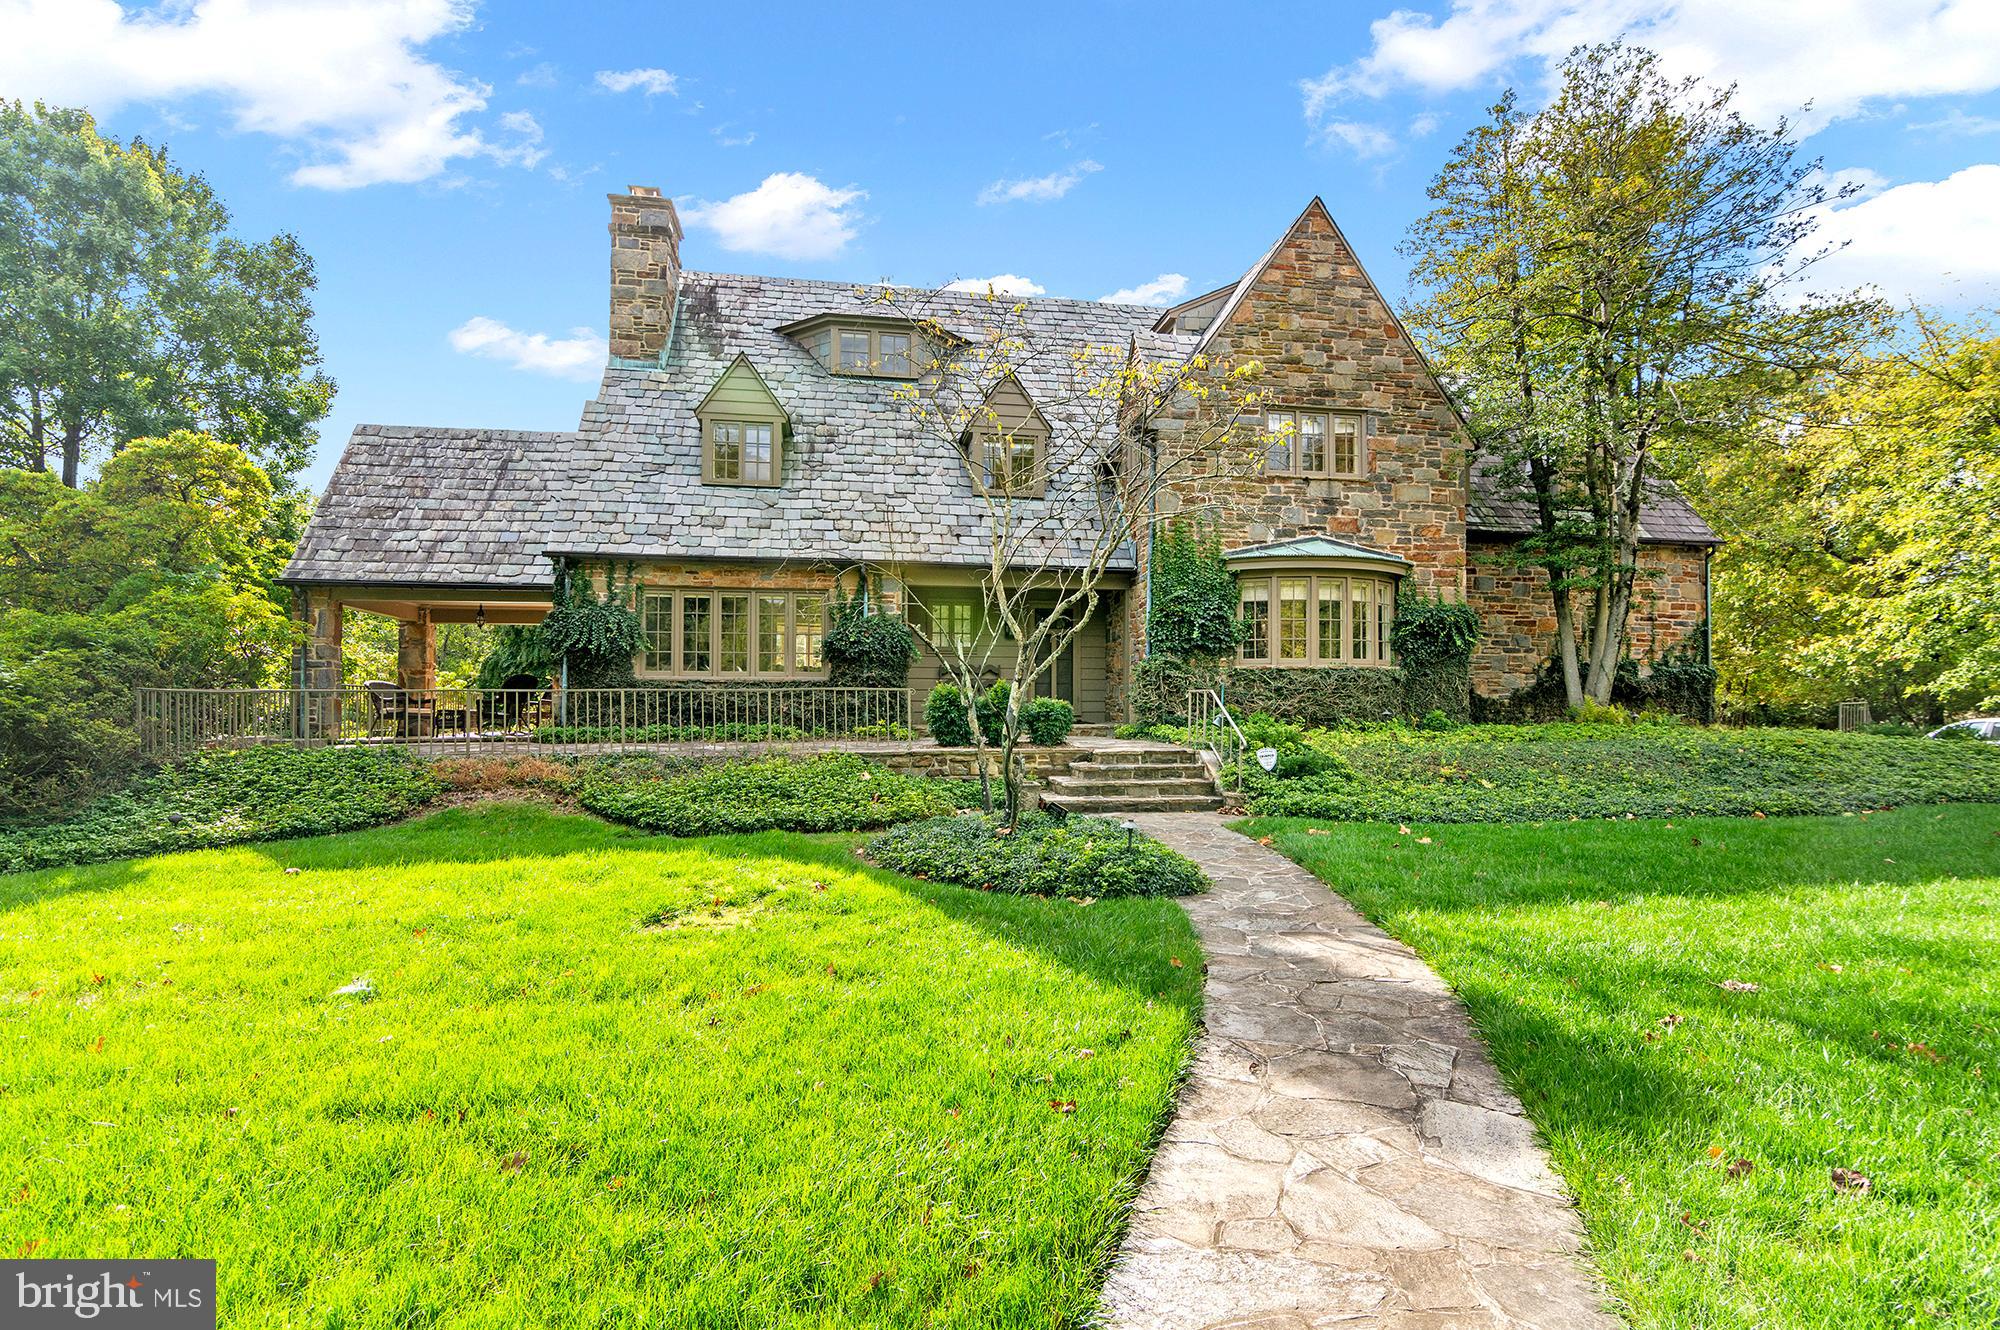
1038, 189
1001, 284
649, 81
1841, 55
341, 81
1162, 290
1956, 121
1935, 241
526, 149
580, 356
725, 138
790, 216
1362, 140
542, 75
1424, 125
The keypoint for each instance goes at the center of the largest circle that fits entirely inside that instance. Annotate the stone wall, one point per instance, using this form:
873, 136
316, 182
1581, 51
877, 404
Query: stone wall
1517, 624
963, 764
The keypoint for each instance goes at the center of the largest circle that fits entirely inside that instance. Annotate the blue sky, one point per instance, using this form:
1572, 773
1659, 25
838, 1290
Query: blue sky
446, 162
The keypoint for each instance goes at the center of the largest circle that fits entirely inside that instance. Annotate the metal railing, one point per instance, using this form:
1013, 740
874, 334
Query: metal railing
1214, 729
174, 721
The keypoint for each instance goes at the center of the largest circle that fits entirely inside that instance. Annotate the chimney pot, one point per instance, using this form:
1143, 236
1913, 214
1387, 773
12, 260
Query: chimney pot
643, 191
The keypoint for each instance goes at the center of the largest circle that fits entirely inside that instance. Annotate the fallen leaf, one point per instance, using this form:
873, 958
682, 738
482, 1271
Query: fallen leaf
1063, 1105
1423, 840
418, 932
514, 1162
1317, 831
1402, 830
1926, 1051
97, 980
1715, 1152
1086, 1052
1175, 961
614, 1184
1263, 840
27, 1248
972, 1268
1739, 986
1672, 1021
289, 872
1740, 1168
98, 1047
753, 990
22, 1197
1851, 1182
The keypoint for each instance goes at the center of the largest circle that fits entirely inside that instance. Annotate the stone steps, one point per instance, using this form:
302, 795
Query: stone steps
1115, 781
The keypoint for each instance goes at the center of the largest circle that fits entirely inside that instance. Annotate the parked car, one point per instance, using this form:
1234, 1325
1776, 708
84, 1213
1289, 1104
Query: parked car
1981, 727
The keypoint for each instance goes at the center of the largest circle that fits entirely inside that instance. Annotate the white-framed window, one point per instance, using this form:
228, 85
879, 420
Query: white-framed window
1314, 618
1314, 443
741, 452
730, 634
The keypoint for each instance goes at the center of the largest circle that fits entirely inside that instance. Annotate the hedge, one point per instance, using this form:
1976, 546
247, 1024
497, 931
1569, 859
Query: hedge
836, 792
1508, 773
225, 798
1079, 856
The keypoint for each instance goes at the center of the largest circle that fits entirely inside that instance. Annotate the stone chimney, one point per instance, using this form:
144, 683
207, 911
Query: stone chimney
645, 272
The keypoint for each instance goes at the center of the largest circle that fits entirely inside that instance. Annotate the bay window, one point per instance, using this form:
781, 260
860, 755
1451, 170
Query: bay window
1315, 618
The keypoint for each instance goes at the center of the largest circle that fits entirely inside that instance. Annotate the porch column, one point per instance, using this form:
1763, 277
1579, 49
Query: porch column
416, 651
316, 662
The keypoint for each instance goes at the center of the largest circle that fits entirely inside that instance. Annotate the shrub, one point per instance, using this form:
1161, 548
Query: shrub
991, 708
1319, 696
1506, 773
1047, 720
733, 732
1161, 684
1588, 712
867, 650
225, 798
1080, 856
597, 636
488, 774
944, 717
837, 792
1436, 721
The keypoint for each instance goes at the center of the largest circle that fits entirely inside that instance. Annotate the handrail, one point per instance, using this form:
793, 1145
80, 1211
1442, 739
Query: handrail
1205, 708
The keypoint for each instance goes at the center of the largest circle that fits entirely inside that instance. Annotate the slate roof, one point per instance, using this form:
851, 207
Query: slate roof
418, 507
1664, 519
863, 481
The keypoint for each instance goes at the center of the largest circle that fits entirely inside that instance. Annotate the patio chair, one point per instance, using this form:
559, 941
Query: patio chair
404, 715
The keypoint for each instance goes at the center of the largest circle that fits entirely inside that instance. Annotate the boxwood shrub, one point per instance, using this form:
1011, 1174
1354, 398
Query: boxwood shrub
835, 792
1529, 773
1047, 720
1078, 856
223, 798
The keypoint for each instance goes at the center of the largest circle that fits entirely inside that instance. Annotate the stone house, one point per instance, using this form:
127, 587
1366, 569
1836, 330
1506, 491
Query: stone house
750, 456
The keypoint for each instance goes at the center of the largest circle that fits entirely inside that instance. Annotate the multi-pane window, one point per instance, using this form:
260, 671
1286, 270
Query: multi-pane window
1256, 616
733, 634
742, 452
1292, 627
894, 351
1010, 461
1312, 443
954, 622
876, 352
1316, 619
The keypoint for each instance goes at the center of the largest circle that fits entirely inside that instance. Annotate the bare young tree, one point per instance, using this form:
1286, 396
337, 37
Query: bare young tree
1061, 442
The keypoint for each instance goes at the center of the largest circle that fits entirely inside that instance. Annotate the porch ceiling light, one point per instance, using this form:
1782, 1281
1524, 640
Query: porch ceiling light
479, 617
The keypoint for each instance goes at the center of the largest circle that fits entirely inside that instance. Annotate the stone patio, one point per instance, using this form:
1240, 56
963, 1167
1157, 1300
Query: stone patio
1344, 1153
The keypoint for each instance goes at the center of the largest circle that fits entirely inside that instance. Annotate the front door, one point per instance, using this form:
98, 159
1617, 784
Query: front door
1059, 679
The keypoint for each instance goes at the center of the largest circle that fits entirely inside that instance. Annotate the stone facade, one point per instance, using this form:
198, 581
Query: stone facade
1518, 627
1329, 341
645, 272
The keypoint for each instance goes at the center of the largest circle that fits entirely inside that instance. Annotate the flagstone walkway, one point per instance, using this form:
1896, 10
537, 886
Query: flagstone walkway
1344, 1153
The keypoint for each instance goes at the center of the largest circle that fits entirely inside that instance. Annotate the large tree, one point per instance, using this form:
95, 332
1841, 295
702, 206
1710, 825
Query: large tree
1624, 268
1864, 536
127, 309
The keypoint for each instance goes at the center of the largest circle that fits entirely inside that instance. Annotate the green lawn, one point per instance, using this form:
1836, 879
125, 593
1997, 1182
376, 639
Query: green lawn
1592, 956
605, 1079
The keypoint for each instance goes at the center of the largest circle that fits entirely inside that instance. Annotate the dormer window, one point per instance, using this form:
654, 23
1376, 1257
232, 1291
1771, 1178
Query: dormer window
742, 452
1315, 444
858, 345
1011, 463
742, 430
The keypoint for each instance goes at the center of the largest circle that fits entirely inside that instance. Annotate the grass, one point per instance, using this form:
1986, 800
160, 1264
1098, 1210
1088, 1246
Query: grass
1591, 955
604, 1079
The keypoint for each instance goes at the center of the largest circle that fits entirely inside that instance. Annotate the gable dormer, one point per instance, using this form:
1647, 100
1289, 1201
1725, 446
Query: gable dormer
743, 429
1007, 440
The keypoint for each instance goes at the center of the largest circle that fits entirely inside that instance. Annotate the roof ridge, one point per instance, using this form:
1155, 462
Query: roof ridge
820, 283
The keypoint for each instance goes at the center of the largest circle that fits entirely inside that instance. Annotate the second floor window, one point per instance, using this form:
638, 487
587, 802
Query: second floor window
855, 357
1010, 463
742, 452
1313, 443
